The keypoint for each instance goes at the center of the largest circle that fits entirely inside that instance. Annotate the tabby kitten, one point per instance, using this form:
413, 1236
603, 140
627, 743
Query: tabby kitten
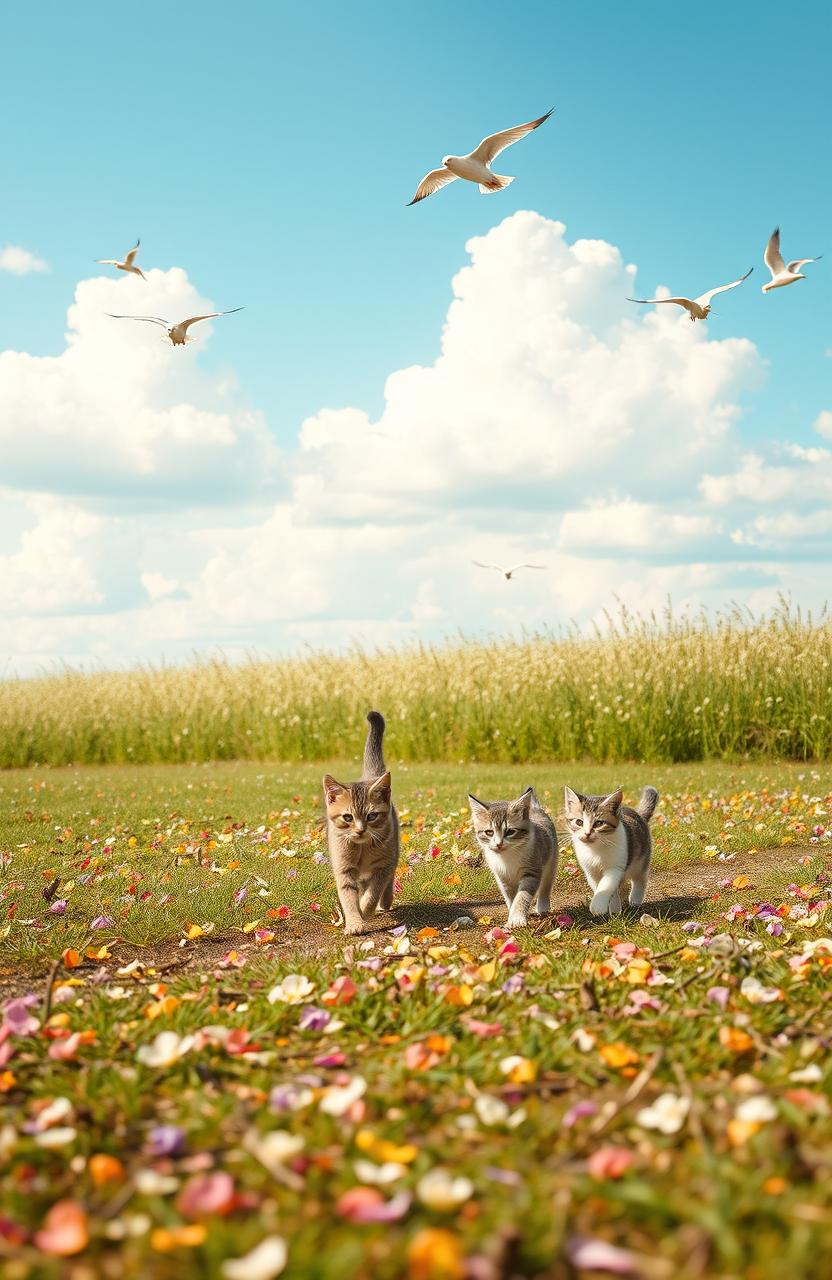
520, 845
362, 832
612, 843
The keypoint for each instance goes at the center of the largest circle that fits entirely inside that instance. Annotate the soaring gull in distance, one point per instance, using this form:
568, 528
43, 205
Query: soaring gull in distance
698, 308
475, 166
129, 263
178, 333
507, 573
782, 273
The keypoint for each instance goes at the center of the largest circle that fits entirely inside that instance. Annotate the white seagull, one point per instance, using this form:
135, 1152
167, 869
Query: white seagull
782, 273
129, 263
698, 308
507, 573
474, 166
178, 333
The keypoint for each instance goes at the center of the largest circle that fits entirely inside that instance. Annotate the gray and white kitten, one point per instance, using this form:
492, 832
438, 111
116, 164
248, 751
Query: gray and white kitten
612, 843
520, 845
362, 833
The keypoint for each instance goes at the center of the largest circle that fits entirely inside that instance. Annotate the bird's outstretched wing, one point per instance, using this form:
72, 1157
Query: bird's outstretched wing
680, 302
431, 183
131, 255
108, 262
525, 565
773, 258
705, 298
491, 146
481, 565
212, 315
149, 319
801, 262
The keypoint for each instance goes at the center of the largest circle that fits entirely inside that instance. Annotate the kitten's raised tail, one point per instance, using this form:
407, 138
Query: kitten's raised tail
647, 803
374, 765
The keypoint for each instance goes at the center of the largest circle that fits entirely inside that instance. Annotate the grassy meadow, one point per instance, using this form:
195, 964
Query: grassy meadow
199, 1077
661, 691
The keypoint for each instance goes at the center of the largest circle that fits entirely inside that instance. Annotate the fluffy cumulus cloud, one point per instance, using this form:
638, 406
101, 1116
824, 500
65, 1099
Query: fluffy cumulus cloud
115, 415
18, 261
555, 426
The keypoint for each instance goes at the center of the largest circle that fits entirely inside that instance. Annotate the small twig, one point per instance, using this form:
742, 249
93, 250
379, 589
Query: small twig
636, 1088
672, 952
50, 985
588, 997
694, 977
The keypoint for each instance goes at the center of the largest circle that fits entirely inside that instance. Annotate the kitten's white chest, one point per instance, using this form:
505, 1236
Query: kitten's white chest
504, 865
602, 855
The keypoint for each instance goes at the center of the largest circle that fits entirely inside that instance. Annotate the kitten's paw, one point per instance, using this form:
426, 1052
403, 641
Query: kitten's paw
354, 927
517, 920
615, 905
541, 908
600, 904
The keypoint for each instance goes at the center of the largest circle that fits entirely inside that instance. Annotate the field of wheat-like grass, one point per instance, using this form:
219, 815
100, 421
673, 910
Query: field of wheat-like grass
645, 689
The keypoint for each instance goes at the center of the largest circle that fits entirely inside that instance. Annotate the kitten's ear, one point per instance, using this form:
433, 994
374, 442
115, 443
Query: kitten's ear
332, 789
613, 800
477, 806
380, 786
524, 803
571, 800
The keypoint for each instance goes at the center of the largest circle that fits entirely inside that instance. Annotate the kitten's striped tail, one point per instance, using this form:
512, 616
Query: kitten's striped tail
647, 803
374, 765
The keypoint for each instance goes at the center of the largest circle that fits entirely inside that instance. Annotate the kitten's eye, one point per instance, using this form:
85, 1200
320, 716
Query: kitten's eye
489, 832
371, 817
347, 817
579, 822
511, 831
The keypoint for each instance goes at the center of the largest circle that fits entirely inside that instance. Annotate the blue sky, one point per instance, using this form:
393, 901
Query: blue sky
271, 148
269, 151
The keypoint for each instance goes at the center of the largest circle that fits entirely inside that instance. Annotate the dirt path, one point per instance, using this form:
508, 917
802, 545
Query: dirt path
675, 893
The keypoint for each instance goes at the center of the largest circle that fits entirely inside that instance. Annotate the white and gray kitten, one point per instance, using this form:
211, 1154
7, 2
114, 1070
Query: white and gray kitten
362, 833
612, 843
520, 845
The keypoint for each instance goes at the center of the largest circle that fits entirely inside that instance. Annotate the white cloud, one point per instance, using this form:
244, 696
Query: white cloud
555, 426
823, 424
121, 413
20, 262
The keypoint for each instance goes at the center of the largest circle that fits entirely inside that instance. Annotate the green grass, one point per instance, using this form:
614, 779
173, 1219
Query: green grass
718, 1198
675, 690
171, 832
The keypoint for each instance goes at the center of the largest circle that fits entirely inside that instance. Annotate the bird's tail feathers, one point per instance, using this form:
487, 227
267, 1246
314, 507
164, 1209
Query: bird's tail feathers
647, 803
374, 765
497, 183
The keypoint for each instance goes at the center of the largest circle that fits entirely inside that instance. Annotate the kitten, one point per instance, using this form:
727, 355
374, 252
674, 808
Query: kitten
362, 832
520, 845
612, 843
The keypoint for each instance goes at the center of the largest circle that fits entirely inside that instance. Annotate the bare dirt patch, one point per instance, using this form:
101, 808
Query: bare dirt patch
675, 893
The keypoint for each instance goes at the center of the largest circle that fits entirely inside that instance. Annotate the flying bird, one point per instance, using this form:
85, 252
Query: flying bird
507, 573
782, 273
129, 263
698, 308
475, 166
178, 333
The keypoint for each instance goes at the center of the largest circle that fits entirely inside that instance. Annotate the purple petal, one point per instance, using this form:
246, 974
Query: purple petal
166, 1140
312, 1019
579, 1112
597, 1255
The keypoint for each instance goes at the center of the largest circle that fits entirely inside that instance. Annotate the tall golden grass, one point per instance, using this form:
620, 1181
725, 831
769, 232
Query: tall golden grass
649, 689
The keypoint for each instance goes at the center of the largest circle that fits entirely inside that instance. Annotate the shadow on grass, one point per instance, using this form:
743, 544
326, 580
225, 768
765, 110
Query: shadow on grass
438, 915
